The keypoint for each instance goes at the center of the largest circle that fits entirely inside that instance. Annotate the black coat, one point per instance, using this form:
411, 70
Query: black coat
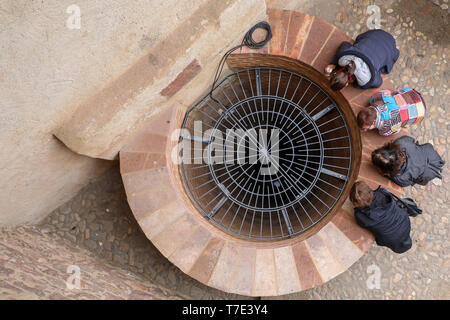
423, 163
388, 222
377, 48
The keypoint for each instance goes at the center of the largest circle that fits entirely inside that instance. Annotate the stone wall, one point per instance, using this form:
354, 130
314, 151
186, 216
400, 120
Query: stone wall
93, 87
38, 266
175, 68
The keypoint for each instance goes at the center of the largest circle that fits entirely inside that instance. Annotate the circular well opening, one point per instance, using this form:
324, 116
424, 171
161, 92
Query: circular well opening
267, 155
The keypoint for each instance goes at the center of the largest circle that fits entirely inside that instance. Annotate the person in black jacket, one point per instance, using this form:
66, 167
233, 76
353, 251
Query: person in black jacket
378, 211
406, 162
374, 52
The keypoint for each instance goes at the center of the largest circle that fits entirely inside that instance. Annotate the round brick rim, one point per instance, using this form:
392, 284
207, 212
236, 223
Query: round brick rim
208, 254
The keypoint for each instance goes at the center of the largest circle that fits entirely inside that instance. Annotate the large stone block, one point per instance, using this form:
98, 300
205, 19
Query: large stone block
47, 71
101, 124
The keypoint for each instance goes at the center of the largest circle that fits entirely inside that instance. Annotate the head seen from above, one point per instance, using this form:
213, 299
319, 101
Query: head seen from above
361, 195
366, 119
389, 158
342, 76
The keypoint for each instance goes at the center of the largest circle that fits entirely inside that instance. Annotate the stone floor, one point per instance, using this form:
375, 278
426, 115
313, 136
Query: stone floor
99, 218
36, 266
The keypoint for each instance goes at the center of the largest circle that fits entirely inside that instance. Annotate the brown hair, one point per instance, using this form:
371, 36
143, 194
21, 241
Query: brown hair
390, 158
361, 195
340, 77
366, 117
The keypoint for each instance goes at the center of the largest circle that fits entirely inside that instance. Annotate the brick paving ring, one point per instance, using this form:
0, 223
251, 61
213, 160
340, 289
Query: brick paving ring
311, 165
285, 232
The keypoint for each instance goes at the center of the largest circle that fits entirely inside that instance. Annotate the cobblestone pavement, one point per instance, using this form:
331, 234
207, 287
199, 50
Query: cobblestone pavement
99, 218
46, 267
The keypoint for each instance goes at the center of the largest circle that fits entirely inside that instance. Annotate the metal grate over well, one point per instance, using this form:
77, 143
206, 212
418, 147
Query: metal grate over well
267, 155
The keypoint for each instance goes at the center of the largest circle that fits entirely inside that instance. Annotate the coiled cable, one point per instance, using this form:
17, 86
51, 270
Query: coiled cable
249, 42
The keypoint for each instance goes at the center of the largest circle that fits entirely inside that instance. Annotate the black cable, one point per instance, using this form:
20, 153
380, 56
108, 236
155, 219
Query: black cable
248, 38
249, 42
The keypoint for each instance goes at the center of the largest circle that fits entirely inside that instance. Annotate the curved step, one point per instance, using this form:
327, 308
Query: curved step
165, 213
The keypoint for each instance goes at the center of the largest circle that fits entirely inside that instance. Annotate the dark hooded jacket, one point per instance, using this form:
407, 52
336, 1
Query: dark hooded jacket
388, 222
377, 49
423, 163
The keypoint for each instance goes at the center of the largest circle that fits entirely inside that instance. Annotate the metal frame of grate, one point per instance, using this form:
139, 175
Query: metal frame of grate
312, 158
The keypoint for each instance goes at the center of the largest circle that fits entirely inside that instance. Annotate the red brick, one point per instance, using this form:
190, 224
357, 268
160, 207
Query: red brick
359, 236
307, 271
369, 171
297, 33
204, 266
160, 124
319, 33
222, 276
356, 108
387, 84
329, 50
367, 93
279, 22
244, 272
172, 237
147, 142
372, 184
327, 265
394, 188
355, 94
185, 256
263, 50
131, 161
265, 273
183, 78
286, 270
153, 223
144, 180
350, 92
341, 246
371, 140
389, 185
362, 100
155, 160
152, 200
177, 117
347, 206
258, 36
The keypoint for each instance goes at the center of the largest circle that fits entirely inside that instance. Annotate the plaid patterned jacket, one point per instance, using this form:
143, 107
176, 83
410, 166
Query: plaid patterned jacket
397, 109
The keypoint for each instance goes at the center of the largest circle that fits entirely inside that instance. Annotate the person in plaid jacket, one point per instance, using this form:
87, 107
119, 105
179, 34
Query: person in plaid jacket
390, 111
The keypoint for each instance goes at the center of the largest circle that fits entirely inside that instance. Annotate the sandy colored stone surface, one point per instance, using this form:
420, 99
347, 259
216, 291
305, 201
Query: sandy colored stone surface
89, 85
45, 267
47, 69
183, 55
